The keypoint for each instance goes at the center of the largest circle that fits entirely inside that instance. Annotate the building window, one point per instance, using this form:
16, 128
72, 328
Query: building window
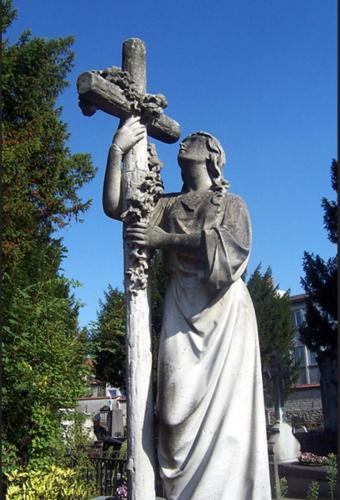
306, 359
314, 375
299, 354
312, 358
299, 317
309, 371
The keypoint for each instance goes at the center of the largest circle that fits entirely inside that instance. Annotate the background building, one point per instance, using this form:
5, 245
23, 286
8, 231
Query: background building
310, 373
304, 406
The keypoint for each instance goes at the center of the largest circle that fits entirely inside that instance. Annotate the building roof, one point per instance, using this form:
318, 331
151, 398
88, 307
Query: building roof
298, 298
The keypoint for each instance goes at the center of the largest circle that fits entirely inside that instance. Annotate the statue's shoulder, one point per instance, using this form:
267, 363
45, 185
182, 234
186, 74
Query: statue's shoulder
169, 195
235, 207
167, 199
234, 199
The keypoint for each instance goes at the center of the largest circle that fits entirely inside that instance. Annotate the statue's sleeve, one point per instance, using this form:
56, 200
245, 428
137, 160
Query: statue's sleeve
157, 214
227, 245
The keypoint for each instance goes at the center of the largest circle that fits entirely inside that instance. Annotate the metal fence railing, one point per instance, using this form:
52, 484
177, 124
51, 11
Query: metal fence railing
107, 473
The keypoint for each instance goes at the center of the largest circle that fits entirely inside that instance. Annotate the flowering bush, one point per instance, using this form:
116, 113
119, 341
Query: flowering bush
122, 492
311, 459
47, 483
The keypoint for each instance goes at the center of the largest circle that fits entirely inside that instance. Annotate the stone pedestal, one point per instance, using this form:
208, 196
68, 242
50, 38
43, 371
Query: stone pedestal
117, 423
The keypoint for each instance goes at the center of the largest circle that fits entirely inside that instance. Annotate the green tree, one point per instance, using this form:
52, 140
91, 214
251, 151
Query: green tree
319, 331
107, 333
276, 331
41, 177
43, 369
107, 336
43, 347
159, 285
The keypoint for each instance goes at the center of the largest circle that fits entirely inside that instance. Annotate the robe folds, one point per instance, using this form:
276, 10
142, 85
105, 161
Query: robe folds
212, 438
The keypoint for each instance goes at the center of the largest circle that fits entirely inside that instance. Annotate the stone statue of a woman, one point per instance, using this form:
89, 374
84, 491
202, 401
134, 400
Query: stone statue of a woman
212, 436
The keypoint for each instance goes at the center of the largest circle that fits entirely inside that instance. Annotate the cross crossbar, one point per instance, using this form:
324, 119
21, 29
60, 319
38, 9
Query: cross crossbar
99, 90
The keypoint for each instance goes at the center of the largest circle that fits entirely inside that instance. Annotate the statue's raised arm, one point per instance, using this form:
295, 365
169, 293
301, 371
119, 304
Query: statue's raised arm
125, 138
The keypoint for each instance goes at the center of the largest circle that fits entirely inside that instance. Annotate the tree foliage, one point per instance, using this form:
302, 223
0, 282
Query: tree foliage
319, 332
43, 348
276, 330
48, 482
159, 285
8, 14
41, 177
107, 333
43, 368
108, 338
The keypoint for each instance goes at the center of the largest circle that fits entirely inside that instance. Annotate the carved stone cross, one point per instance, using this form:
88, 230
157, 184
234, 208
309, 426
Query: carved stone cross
122, 93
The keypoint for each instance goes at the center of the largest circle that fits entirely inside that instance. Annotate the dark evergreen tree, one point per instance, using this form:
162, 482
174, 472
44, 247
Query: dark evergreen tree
43, 348
40, 177
276, 331
159, 285
319, 331
107, 336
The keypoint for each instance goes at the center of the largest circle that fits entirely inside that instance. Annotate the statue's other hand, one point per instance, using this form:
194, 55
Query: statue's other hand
129, 134
148, 236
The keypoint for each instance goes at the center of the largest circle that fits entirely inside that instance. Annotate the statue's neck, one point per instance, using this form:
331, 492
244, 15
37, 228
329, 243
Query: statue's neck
196, 177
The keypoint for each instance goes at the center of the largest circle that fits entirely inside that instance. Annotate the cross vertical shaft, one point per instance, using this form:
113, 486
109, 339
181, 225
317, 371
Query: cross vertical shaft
122, 93
140, 466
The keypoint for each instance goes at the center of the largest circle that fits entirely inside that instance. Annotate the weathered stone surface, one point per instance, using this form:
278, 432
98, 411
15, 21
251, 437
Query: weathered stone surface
303, 407
140, 466
102, 94
117, 424
212, 436
212, 441
96, 92
210, 396
122, 92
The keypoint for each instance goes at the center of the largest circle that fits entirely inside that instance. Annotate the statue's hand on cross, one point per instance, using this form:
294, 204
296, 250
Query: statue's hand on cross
150, 236
146, 235
129, 134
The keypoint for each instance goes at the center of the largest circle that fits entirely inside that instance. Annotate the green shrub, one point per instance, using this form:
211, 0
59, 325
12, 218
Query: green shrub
332, 474
313, 491
53, 483
283, 487
123, 450
10, 460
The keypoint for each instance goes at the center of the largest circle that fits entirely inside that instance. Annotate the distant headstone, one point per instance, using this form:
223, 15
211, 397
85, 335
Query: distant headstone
117, 422
282, 442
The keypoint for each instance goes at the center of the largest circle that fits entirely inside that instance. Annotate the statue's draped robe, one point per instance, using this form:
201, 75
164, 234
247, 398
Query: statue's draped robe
212, 436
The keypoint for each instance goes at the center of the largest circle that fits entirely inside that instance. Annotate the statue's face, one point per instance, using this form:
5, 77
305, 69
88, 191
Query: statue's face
193, 149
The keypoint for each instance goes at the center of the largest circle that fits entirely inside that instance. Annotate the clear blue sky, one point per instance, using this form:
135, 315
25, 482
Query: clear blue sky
259, 75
